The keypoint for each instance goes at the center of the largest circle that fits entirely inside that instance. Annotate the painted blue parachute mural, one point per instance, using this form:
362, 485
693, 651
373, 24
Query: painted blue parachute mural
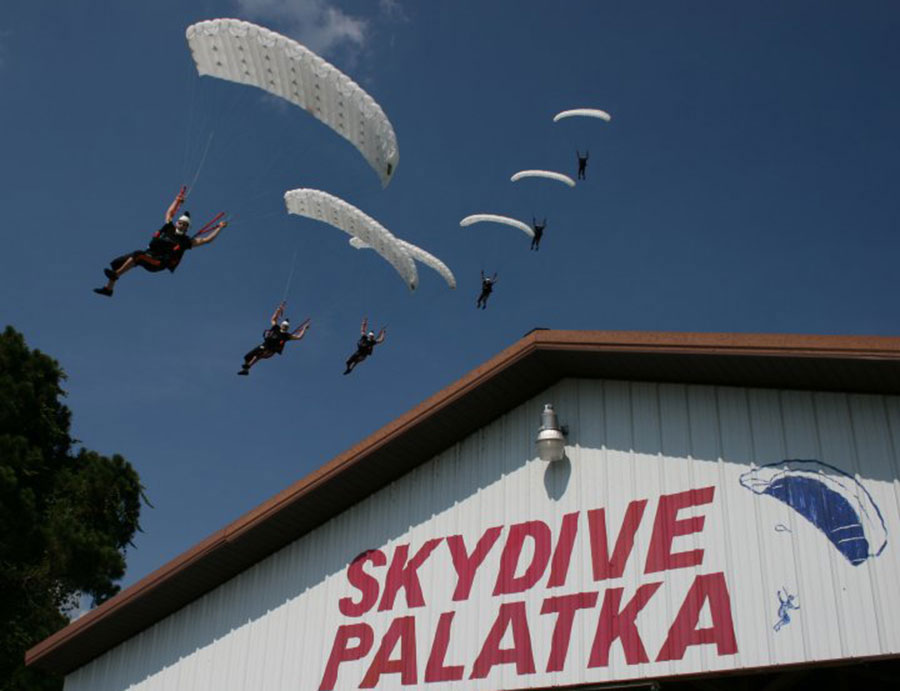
835, 502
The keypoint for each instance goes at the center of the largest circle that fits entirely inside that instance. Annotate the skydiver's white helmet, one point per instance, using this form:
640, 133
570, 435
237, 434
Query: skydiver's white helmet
285, 325
183, 222
370, 335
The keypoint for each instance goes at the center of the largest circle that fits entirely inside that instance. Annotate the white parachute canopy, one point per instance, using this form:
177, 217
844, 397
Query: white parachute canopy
493, 218
419, 255
549, 174
242, 52
324, 207
583, 112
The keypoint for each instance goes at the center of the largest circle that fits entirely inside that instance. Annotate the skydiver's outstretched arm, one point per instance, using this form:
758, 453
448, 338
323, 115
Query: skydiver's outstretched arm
381, 335
175, 205
364, 326
202, 240
276, 315
300, 331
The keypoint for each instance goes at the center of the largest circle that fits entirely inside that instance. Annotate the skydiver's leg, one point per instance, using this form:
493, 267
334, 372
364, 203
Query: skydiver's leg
354, 360
260, 352
126, 266
250, 359
123, 264
119, 265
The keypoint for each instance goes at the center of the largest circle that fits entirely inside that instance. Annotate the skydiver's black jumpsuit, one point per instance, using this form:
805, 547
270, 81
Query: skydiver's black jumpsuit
364, 348
273, 343
538, 234
582, 163
487, 286
165, 251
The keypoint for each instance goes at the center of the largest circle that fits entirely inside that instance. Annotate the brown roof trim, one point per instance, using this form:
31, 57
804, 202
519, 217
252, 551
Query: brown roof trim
868, 364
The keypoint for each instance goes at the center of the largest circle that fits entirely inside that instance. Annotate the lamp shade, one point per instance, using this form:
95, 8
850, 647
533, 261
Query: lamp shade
551, 442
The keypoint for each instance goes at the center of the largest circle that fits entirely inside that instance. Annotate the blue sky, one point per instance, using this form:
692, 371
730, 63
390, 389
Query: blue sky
747, 183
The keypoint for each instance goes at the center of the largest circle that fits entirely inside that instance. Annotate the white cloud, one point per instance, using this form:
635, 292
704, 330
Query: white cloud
392, 9
321, 27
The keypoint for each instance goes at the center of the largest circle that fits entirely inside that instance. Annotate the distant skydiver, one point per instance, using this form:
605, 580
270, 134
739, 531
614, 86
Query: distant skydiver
365, 345
487, 286
166, 247
582, 162
274, 339
538, 233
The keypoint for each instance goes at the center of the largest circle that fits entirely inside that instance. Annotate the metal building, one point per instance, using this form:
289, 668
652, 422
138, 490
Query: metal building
725, 514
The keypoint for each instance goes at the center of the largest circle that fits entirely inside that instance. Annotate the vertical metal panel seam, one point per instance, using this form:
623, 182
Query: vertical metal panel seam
724, 510
784, 443
632, 455
832, 562
870, 572
757, 510
640, 548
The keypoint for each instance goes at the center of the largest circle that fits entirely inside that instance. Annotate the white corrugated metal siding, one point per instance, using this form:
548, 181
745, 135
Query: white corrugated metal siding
274, 626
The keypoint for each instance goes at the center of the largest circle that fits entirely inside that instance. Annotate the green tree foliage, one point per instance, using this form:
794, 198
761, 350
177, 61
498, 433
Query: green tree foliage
66, 514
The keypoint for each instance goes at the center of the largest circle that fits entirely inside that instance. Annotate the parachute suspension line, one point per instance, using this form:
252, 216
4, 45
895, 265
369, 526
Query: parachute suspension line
277, 157
259, 185
202, 161
287, 285
189, 125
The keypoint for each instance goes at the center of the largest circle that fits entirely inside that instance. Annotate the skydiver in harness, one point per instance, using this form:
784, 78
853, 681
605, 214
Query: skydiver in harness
582, 162
365, 345
166, 248
274, 339
538, 233
487, 287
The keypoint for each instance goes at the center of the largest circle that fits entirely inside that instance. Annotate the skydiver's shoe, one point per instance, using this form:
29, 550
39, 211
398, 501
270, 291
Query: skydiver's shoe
110, 274
104, 291
347, 371
244, 372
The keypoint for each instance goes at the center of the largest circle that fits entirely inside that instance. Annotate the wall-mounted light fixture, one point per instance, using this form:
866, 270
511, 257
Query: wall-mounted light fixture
551, 439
